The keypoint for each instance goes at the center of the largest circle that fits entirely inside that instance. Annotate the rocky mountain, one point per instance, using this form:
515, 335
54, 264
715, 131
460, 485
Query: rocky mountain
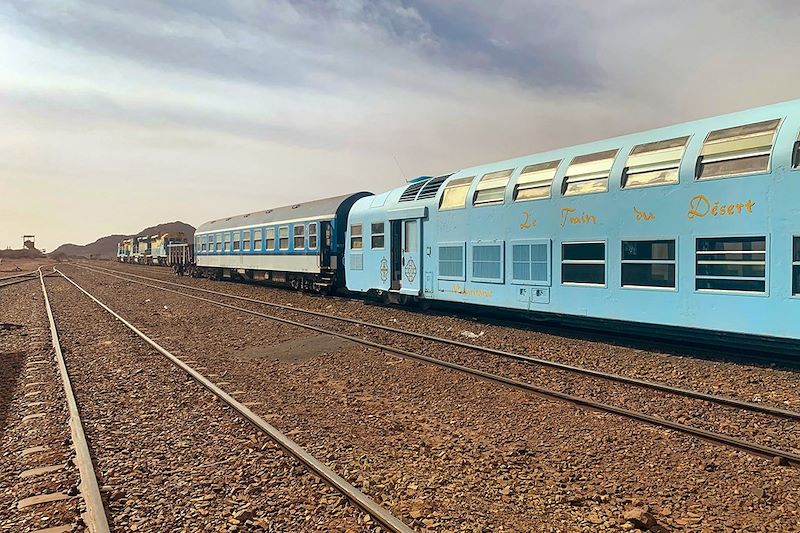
106, 247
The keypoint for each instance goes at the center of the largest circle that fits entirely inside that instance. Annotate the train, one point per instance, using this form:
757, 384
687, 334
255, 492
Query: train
163, 249
687, 231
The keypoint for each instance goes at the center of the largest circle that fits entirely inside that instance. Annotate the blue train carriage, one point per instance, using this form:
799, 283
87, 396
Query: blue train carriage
298, 245
695, 225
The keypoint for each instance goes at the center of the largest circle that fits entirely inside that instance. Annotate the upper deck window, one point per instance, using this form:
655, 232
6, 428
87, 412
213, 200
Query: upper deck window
588, 173
455, 193
654, 163
492, 187
535, 181
737, 151
796, 153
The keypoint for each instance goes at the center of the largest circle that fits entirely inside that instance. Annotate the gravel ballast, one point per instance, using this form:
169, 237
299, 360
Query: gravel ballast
452, 452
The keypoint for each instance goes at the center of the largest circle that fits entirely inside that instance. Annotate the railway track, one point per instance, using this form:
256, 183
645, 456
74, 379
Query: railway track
377, 512
95, 516
645, 384
780, 456
18, 278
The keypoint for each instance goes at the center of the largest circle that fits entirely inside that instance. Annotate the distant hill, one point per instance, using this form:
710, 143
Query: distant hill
106, 247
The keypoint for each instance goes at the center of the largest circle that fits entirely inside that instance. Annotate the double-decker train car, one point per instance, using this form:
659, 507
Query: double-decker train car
690, 227
298, 245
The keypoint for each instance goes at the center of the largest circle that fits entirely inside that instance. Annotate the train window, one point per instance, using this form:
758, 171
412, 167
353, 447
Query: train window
654, 163
203, 243
535, 181
269, 240
588, 174
583, 263
312, 235
737, 151
492, 187
731, 264
246, 240
219, 242
796, 154
283, 237
236, 240
455, 193
377, 235
530, 262
227, 246
796, 267
299, 236
487, 262
451, 261
648, 264
257, 239
356, 239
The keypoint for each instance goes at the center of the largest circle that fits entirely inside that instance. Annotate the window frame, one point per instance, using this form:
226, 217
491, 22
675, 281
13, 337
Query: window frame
477, 279
549, 262
466, 182
653, 167
756, 294
452, 244
381, 234
359, 236
258, 243
226, 242
315, 235
247, 243
219, 241
795, 163
302, 236
203, 243
267, 232
236, 240
504, 176
589, 176
716, 158
281, 248
555, 165
604, 262
794, 264
675, 262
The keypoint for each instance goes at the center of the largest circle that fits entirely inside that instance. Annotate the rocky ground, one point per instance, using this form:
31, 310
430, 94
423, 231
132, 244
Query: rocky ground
448, 452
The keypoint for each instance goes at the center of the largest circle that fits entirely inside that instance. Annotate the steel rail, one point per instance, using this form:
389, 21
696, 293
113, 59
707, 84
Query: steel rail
652, 385
375, 510
784, 457
15, 281
95, 515
21, 274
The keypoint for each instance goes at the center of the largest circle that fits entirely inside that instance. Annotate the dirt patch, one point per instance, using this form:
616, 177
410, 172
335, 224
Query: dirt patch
10, 369
297, 349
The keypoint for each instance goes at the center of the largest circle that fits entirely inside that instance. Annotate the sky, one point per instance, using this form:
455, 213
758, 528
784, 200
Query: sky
118, 115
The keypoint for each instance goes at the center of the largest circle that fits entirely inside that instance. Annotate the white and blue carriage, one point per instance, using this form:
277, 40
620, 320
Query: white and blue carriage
695, 226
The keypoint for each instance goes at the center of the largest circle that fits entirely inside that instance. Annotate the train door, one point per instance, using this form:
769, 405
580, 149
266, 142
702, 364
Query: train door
406, 257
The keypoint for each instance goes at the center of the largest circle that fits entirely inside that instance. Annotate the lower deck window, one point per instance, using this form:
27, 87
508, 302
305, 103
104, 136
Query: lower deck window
529, 262
796, 266
227, 246
246, 240
583, 263
269, 240
356, 239
487, 262
732, 264
648, 264
257, 239
451, 261
236, 242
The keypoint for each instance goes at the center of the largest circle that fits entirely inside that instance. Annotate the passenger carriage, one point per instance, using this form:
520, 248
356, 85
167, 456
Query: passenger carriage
298, 245
695, 225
